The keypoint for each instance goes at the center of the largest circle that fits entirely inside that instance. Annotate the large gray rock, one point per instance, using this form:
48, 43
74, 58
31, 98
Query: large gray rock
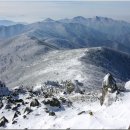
109, 82
27, 110
108, 87
34, 103
54, 102
3, 121
1, 104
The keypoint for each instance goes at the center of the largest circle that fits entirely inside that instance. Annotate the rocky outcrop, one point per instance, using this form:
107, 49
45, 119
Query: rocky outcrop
34, 103
52, 114
109, 86
16, 114
3, 121
54, 102
1, 104
27, 110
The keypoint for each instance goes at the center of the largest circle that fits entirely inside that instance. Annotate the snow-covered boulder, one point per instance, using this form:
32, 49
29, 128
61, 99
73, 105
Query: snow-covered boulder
27, 110
109, 82
110, 98
127, 85
53, 102
3, 121
78, 86
108, 88
34, 103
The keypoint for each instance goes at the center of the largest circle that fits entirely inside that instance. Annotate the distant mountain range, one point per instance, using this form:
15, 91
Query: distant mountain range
78, 32
9, 23
24, 45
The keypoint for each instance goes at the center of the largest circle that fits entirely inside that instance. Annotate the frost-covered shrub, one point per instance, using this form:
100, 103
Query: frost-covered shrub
69, 87
20, 89
54, 102
53, 83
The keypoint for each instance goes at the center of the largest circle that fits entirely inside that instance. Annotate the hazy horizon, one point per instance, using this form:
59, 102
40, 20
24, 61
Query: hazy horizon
32, 11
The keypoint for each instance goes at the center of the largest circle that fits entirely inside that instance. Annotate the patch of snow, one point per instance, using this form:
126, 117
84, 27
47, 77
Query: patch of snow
127, 85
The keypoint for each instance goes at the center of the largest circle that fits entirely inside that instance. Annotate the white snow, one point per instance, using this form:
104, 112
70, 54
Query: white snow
127, 85
113, 116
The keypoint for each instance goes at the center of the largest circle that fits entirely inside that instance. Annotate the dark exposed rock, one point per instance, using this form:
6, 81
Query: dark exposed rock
10, 101
37, 114
2, 84
46, 110
64, 93
16, 107
66, 102
19, 101
8, 106
16, 114
14, 101
69, 103
24, 116
3, 121
1, 104
101, 100
53, 83
54, 102
14, 122
63, 100
34, 103
90, 113
81, 92
27, 110
19, 90
129, 128
52, 113
82, 112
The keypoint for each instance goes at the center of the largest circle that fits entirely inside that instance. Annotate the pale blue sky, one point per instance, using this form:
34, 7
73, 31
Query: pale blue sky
39, 10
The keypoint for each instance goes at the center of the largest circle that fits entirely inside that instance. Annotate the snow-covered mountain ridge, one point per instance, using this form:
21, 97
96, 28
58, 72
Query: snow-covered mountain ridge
78, 32
87, 65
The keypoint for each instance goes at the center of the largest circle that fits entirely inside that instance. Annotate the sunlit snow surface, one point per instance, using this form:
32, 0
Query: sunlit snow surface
114, 116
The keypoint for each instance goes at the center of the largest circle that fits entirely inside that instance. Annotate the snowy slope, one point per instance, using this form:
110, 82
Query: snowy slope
8, 23
86, 65
83, 114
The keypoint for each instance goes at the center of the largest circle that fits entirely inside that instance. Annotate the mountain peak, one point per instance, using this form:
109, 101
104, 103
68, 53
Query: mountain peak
79, 18
49, 20
99, 18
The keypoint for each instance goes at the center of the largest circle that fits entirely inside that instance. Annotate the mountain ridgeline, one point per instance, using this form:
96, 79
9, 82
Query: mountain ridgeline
78, 32
51, 49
